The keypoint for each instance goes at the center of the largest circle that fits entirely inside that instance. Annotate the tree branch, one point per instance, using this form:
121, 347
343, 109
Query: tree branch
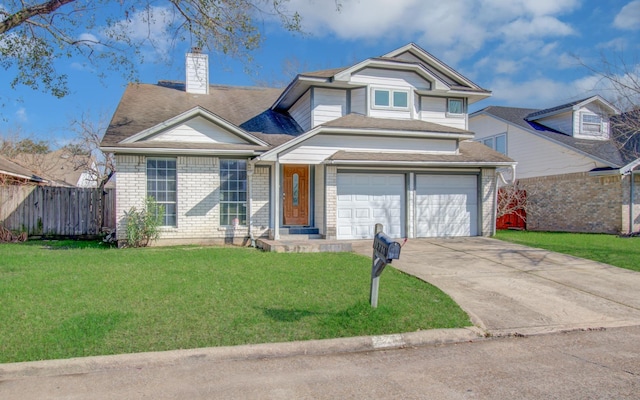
25, 14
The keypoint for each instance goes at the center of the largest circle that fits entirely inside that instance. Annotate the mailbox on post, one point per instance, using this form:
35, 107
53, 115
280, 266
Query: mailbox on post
385, 250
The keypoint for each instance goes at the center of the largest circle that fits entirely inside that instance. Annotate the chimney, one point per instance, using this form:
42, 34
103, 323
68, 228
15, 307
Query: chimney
197, 68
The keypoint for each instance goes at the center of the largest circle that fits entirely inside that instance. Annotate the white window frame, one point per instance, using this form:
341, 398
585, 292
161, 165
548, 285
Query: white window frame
391, 93
156, 181
452, 114
493, 140
225, 218
600, 126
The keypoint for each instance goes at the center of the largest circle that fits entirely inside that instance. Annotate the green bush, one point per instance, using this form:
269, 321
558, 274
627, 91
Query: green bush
143, 226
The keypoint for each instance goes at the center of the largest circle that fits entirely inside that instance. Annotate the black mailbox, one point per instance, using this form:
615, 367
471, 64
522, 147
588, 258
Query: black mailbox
385, 248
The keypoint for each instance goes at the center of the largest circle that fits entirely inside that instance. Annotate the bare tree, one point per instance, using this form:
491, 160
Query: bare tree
86, 153
512, 199
619, 82
115, 34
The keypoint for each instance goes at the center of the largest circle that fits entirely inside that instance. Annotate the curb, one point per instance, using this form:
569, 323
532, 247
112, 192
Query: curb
85, 365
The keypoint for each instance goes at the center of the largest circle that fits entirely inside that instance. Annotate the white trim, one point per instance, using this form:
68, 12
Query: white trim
269, 155
190, 114
629, 168
199, 152
423, 163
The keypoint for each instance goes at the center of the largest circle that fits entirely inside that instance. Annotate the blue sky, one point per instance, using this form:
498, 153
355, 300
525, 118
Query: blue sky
523, 50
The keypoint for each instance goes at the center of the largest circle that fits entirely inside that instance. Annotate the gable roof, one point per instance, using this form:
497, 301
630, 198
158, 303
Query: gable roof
144, 106
603, 150
421, 62
571, 106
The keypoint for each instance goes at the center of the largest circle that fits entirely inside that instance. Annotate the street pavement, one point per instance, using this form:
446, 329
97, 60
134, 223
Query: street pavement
546, 326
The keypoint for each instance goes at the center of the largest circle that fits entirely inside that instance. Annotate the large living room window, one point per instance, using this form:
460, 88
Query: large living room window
161, 185
233, 192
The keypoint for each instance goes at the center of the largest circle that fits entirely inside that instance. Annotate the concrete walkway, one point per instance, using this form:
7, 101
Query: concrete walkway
511, 289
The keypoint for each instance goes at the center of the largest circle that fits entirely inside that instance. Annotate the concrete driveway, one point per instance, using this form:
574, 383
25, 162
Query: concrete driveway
512, 289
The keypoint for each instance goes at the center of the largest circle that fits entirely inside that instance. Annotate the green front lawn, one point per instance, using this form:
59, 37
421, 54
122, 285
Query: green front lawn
609, 249
60, 302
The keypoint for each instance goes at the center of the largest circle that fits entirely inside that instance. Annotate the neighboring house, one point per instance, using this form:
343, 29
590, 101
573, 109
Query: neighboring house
15, 174
60, 168
334, 153
577, 178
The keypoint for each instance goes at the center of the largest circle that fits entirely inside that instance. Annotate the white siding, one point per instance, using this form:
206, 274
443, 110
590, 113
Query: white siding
197, 130
328, 104
319, 147
301, 111
359, 101
390, 78
592, 109
561, 122
391, 114
536, 156
319, 204
434, 109
197, 73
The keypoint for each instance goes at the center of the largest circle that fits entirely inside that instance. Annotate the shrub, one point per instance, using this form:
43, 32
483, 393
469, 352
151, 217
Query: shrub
143, 225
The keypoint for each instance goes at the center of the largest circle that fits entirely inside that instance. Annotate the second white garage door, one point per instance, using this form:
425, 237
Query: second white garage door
446, 205
367, 199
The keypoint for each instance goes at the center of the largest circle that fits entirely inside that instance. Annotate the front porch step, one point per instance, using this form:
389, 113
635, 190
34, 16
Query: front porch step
299, 230
300, 237
303, 246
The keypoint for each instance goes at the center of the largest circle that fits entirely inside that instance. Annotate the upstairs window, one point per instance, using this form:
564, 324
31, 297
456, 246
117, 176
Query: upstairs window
455, 107
393, 99
591, 124
497, 143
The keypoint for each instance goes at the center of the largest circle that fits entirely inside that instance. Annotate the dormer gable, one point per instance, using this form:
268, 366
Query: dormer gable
196, 125
426, 74
586, 118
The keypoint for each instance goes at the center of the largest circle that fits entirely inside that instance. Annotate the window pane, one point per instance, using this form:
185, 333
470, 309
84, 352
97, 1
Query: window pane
400, 99
161, 185
501, 144
233, 194
591, 119
488, 142
381, 98
455, 106
295, 190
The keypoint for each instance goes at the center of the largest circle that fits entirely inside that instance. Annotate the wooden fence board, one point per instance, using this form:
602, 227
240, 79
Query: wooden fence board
56, 211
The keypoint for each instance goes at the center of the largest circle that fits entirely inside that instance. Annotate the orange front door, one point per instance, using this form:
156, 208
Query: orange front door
295, 194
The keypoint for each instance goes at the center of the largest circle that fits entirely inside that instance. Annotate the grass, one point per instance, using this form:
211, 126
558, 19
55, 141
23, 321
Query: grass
609, 249
63, 299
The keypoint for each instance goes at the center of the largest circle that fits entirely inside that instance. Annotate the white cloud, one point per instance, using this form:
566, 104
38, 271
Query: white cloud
150, 27
629, 16
21, 115
453, 29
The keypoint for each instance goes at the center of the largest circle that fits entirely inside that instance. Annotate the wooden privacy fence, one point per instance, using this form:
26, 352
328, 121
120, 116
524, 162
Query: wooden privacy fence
55, 211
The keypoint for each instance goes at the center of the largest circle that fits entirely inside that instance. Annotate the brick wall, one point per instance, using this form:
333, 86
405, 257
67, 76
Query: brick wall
488, 193
331, 207
198, 208
574, 203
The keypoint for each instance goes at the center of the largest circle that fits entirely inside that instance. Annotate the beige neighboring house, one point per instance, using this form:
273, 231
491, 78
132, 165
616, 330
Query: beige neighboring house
382, 141
60, 168
15, 174
577, 178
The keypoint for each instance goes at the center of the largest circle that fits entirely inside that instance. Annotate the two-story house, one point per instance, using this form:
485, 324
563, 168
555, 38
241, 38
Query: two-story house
577, 178
334, 153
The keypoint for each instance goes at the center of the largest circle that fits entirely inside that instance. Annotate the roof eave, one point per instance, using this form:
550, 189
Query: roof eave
423, 163
174, 151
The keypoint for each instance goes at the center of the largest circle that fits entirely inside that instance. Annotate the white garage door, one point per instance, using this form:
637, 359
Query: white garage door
367, 199
446, 205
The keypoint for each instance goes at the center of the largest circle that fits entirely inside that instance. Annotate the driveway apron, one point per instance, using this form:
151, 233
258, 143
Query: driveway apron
511, 289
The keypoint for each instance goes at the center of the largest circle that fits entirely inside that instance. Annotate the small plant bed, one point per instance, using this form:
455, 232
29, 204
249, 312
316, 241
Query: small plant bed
66, 299
610, 249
